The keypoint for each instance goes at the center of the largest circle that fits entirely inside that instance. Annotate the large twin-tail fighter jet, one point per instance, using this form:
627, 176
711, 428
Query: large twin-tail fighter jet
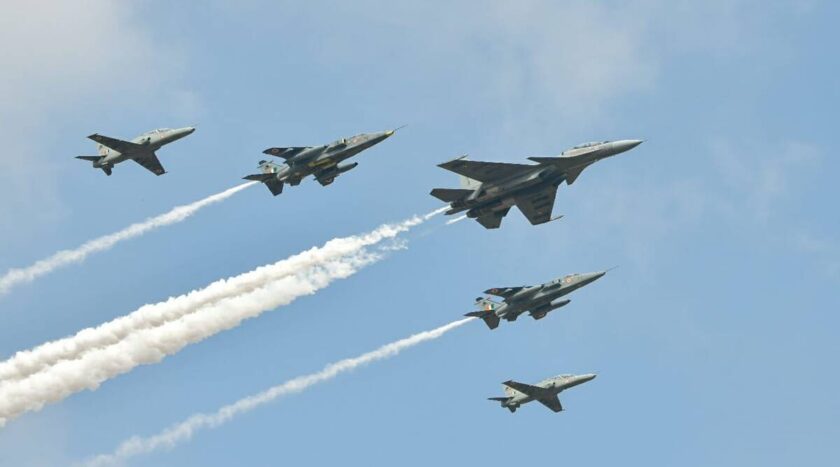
536, 300
490, 189
545, 392
323, 162
141, 149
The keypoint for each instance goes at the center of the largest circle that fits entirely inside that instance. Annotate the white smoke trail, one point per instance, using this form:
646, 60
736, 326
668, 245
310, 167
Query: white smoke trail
185, 430
152, 344
25, 363
457, 219
28, 274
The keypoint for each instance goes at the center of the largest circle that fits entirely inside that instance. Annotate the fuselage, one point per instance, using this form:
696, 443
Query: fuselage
150, 141
324, 160
555, 385
501, 194
543, 296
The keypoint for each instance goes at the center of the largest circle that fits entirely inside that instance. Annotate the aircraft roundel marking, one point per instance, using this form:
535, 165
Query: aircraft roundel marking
275, 151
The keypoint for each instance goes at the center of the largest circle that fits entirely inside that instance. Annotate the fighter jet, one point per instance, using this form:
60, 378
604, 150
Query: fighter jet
537, 300
141, 149
545, 392
319, 161
489, 189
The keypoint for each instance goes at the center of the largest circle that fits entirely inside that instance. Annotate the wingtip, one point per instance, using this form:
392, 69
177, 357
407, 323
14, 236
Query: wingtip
443, 164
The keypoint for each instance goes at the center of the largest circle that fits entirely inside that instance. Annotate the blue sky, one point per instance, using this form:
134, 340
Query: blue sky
714, 340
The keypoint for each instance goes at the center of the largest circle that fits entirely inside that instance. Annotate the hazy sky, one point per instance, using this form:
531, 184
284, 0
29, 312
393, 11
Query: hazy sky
714, 341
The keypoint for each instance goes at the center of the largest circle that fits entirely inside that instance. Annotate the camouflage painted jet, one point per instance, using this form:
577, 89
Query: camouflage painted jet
537, 300
490, 189
140, 149
320, 161
545, 392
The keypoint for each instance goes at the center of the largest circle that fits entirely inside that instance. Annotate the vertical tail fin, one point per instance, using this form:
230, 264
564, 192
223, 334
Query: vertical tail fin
469, 183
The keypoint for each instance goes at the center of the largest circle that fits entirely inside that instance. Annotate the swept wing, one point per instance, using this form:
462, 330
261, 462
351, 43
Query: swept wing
485, 171
150, 162
537, 206
541, 395
504, 292
116, 144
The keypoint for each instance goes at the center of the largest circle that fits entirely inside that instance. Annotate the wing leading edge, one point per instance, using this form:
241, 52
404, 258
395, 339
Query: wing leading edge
485, 171
504, 292
115, 144
285, 153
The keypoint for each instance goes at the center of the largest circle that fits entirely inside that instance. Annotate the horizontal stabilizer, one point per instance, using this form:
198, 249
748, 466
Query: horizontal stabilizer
450, 194
259, 177
89, 158
490, 319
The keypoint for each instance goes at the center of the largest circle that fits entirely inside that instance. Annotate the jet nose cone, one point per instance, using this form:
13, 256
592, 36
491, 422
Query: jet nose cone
189, 130
593, 276
626, 144
391, 132
588, 377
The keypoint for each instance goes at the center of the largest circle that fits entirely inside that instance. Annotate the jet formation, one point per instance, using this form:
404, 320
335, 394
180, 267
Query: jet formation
489, 189
545, 392
536, 300
141, 149
322, 162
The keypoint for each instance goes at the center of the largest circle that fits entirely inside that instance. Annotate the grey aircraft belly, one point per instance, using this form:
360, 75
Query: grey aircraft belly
545, 392
489, 189
141, 149
322, 162
536, 300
